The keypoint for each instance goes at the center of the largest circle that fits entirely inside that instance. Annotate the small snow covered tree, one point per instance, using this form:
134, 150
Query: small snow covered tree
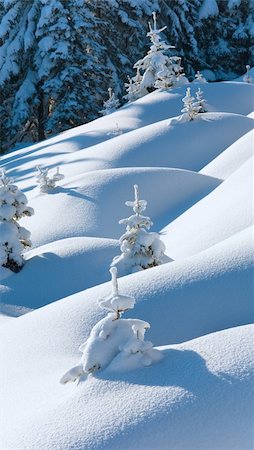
46, 182
199, 78
113, 341
200, 103
140, 249
247, 78
111, 104
191, 109
13, 238
158, 69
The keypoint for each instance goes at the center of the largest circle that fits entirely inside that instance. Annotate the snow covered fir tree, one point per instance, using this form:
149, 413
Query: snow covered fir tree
59, 57
113, 341
47, 183
156, 69
140, 249
110, 105
13, 237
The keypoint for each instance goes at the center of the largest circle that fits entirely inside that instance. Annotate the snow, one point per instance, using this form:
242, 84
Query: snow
229, 208
191, 391
209, 8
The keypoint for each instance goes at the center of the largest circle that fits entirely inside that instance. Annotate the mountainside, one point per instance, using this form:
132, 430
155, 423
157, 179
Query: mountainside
196, 176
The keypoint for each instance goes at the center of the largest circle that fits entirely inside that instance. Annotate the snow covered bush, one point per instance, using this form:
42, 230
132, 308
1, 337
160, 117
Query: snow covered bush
199, 78
247, 78
113, 341
116, 131
111, 104
200, 101
13, 238
45, 182
191, 108
140, 249
156, 69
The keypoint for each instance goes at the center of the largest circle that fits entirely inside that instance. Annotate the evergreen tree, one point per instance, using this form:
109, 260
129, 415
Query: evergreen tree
46, 182
247, 78
140, 249
158, 70
225, 35
191, 108
111, 104
13, 238
114, 341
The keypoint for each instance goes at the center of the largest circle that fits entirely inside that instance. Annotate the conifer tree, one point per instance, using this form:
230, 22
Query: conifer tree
247, 78
199, 78
47, 183
113, 341
13, 238
190, 109
200, 101
140, 249
111, 104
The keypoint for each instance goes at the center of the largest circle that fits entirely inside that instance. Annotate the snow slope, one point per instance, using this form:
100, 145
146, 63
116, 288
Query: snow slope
231, 159
197, 179
97, 201
224, 212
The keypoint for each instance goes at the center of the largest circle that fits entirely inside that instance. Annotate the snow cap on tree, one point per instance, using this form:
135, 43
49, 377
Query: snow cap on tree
13, 238
115, 302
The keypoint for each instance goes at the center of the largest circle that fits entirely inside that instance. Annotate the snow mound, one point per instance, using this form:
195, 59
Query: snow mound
59, 269
92, 205
197, 397
225, 211
160, 105
232, 158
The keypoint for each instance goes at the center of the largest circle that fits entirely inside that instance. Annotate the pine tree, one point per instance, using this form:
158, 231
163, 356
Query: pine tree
200, 101
46, 182
113, 341
199, 78
225, 36
140, 249
247, 78
190, 109
13, 238
157, 69
111, 104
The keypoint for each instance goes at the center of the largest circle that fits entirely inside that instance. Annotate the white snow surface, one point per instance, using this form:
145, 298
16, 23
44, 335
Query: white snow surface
197, 178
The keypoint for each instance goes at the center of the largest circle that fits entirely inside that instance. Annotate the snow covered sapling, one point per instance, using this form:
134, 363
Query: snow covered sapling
156, 69
199, 78
200, 103
113, 341
116, 131
140, 249
191, 109
46, 182
247, 78
13, 238
111, 104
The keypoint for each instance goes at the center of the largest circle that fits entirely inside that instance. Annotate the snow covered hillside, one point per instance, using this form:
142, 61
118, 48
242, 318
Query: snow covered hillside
197, 178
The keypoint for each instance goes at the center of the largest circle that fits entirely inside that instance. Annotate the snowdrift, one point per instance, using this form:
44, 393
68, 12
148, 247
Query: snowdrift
227, 210
92, 205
